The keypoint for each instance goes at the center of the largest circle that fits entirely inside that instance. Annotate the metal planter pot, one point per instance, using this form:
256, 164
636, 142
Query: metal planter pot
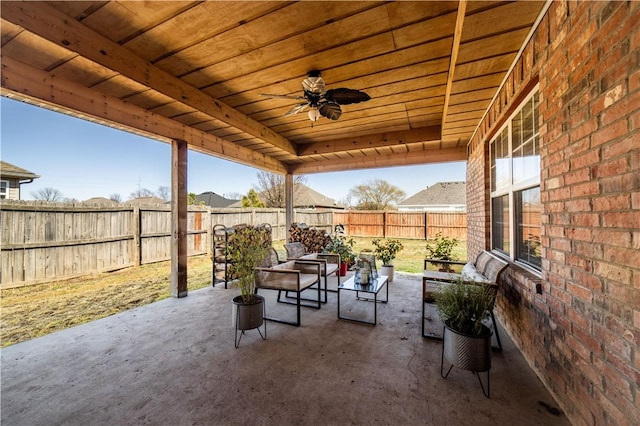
249, 315
468, 352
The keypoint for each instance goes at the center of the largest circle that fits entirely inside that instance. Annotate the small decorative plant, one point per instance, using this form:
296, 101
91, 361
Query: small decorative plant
441, 248
386, 250
464, 305
343, 246
248, 247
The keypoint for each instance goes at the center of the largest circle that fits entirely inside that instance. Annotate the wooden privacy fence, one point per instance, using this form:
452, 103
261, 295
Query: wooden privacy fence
42, 241
396, 224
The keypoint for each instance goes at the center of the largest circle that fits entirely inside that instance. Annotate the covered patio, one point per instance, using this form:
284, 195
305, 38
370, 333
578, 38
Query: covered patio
173, 362
540, 99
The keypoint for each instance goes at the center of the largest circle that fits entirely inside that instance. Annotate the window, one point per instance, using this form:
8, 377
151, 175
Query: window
515, 186
4, 189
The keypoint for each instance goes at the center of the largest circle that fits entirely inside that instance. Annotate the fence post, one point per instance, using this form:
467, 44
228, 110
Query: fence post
137, 235
426, 228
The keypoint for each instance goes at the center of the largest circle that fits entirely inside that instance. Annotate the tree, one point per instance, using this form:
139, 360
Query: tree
192, 200
252, 199
377, 194
48, 194
271, 188
141, 192
164, 192
115, 197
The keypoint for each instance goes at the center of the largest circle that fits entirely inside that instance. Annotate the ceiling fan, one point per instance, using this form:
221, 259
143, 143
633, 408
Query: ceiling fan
322, 102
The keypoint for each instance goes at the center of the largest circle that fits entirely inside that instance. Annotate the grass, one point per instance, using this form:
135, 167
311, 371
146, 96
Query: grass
36, 310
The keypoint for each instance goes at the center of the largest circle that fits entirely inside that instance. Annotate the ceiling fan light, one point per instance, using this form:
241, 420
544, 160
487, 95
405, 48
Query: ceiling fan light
313, 114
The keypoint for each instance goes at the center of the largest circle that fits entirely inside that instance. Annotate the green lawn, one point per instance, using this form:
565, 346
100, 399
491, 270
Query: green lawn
36, 310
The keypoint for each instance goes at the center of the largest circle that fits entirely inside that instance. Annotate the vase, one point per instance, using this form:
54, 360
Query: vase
388, 271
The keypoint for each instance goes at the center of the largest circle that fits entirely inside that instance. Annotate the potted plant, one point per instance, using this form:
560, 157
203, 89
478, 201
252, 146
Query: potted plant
386, 250
463, 306
441, 248
343, 246
248, 249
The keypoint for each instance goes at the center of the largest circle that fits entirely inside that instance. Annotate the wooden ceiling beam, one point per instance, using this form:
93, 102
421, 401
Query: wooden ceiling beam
442, 155
54, 26
457, 36
425, 134
27, 83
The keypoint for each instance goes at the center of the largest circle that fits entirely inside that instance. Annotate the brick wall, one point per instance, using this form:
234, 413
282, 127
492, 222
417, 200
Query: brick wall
579, 325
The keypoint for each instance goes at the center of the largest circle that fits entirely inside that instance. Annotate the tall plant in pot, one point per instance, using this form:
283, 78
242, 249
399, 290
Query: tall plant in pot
441, 248
386, 250
464, 306
342, 246
248, 248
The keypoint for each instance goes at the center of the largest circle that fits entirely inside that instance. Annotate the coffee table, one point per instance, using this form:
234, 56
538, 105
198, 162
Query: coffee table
373, 287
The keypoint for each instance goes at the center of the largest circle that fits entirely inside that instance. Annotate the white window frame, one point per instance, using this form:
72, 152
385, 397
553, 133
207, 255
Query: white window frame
4, 194
511, 189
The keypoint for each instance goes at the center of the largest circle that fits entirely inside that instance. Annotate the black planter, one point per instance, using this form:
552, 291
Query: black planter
249, 315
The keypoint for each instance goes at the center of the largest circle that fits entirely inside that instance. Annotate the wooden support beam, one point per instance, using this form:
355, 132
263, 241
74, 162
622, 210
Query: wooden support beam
53, 25
46, 90
179, 218
288, 203
441, 155
424, 134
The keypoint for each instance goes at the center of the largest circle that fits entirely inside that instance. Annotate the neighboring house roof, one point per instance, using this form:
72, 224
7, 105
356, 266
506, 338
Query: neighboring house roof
305, 197
101, 201
438, 194
212, 199
147, 201
9, 171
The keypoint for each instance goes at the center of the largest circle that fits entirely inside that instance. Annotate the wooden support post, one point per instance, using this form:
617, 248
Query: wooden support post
288, 203
179, 218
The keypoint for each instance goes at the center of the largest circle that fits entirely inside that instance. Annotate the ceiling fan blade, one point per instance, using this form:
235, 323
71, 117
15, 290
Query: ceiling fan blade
330, 110
296, 109
345, 96
313, 84
268, 95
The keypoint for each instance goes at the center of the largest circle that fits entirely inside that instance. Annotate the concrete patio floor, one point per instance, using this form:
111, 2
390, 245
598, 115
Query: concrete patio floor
174, 363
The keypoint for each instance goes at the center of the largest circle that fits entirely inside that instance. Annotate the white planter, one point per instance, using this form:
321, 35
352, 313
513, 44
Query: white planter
388, 271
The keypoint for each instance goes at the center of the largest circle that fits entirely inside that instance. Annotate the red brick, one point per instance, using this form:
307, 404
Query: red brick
619, 106
580, 175
611, 271
590, 250
586, 279
583, 130
620, 148
614, 167
612, 202
609, 133
622, 256
585, 189
580, 292
580, 234
627, 219
584, 219
612, 237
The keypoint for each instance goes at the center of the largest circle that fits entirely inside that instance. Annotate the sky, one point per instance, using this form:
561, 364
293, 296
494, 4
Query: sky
82, 160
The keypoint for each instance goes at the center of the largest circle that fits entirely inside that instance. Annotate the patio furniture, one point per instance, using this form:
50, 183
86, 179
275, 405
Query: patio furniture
291, 276
486, 270
329, 263
374, 287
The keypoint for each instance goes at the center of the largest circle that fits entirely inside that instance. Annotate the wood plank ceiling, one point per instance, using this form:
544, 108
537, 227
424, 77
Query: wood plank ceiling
196, 71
